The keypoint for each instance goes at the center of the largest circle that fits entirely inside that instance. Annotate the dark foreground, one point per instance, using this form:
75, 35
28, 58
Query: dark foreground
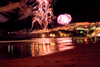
84, 55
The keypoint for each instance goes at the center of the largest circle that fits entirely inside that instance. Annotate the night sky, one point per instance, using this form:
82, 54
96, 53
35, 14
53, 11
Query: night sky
80, 10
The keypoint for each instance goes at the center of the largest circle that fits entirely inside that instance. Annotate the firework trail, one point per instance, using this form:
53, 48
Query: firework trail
42, 12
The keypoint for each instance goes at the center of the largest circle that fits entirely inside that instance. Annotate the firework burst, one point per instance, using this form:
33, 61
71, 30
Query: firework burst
64, 19
42, 12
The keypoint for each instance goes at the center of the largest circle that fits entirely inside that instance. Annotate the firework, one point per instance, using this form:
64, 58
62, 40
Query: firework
64, 19
42, 12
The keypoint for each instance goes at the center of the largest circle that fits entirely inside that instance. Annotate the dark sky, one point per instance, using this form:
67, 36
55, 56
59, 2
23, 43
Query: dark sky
81, 10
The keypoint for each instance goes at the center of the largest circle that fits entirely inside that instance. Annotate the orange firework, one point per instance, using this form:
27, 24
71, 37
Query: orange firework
42, 12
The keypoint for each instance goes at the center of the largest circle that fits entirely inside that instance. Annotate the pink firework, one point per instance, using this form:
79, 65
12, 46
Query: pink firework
64, 19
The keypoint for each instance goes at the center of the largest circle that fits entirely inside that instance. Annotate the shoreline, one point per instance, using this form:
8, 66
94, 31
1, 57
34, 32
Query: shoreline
83, 55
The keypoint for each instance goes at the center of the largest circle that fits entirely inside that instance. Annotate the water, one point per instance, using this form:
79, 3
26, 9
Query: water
39, 46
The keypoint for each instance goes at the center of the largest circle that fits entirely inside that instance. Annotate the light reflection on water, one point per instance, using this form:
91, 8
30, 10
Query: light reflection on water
39, 46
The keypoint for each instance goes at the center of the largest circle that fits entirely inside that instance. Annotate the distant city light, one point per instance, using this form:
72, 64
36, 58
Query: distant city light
99, 34
43, 35
64, 19
52, 35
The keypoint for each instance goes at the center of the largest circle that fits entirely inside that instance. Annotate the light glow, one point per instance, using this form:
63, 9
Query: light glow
64, 19
52, 35
42, 12
43, 35
99, 34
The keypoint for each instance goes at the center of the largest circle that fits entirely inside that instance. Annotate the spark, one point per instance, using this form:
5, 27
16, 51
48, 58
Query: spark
42, 12
64, 19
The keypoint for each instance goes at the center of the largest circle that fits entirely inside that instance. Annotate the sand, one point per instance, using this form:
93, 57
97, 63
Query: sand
84, 55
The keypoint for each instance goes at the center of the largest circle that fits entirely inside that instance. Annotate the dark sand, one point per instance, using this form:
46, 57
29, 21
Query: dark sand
84, 55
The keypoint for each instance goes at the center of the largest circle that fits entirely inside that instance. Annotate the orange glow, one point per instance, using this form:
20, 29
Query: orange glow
65, 35
52, 44
52, 35
99, 34
85, 39
43, 35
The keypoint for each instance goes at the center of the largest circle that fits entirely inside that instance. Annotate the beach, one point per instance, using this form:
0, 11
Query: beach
83, 55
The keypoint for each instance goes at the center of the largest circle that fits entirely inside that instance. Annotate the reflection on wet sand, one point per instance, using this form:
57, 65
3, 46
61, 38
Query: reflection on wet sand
40, 46
65, 46
48, 48
36, 48
86, 40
